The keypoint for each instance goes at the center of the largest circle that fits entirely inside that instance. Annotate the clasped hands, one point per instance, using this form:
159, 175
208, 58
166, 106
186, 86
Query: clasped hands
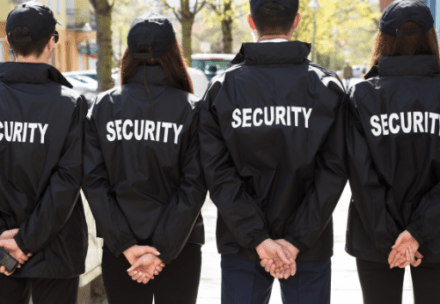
145, 263
8, 243
404, 252
278, 257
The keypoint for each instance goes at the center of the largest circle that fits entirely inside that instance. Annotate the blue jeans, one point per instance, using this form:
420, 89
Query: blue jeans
246, 282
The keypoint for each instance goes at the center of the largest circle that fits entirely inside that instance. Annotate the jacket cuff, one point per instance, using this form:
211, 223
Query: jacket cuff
127, 245
259, 240
415, 234
19, 240
294, 242
2, 229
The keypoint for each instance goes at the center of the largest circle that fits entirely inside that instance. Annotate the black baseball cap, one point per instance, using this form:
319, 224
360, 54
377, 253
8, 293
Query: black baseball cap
35, 17
154, 30
401, 11
290, 5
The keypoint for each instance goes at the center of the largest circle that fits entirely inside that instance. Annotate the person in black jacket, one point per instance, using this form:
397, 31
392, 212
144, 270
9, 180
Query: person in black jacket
41, 142
272, 140
394, 159
143, 177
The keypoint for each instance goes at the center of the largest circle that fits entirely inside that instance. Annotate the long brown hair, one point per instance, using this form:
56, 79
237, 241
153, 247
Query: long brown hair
422, 44
172, 62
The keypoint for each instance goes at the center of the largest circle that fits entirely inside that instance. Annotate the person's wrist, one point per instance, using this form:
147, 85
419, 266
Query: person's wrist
127, 252
262, 243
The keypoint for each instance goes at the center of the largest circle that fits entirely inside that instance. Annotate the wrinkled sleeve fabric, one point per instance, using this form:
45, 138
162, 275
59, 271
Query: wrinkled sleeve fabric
239, 211
178, 221
313, 215
424, 222
111, 222
369, 195
62, 193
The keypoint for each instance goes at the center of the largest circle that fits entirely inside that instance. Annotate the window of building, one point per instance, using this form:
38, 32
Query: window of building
49, 3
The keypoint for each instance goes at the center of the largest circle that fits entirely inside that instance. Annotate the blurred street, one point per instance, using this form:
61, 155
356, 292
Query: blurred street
345, 283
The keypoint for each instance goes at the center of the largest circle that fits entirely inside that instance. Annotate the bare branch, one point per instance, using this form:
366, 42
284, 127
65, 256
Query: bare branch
215, 9
165, 2
197, 10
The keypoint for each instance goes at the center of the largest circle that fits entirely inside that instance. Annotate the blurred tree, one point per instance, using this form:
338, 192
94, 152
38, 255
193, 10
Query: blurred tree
226, 12
356, 21
186, 18
103, 13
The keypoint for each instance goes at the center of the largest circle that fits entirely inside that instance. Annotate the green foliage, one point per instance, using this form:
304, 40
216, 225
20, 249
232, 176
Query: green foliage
356, 21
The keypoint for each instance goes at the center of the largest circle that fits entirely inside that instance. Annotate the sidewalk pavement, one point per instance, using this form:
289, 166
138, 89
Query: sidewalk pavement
345, 283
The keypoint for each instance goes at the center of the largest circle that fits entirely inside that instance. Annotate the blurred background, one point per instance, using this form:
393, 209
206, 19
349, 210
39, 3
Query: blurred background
93, 40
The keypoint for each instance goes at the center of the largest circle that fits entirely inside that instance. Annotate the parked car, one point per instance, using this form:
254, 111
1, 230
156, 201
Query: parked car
200, 81
359, 70
212, 64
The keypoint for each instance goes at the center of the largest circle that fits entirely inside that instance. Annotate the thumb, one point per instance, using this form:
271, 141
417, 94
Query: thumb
419, 255
135, 265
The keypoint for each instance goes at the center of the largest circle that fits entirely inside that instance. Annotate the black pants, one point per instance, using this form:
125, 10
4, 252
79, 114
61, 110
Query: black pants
178, 283
380, 284
43, 291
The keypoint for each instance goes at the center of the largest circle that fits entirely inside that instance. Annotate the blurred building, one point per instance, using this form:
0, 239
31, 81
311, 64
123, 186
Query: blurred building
76, 49
435, 9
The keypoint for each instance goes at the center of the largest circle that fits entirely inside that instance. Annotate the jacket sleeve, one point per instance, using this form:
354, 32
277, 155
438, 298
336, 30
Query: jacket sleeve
425, 219
313, 215
3, 226
178, 221
369, 195
62, 193
239, 211
110, 221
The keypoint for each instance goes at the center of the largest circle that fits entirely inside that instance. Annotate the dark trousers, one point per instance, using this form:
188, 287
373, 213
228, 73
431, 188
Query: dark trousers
380, 284
178, 283
246, 282
43, 291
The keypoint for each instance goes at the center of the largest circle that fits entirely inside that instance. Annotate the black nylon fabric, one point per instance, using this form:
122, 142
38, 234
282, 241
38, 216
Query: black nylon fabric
394, 158
41, 142
279, 178
145, 188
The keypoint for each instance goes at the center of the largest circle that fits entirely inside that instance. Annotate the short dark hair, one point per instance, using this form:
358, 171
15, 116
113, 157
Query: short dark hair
27, 48
273, 18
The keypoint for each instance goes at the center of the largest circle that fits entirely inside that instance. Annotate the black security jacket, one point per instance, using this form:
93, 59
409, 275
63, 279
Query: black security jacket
273, 140
145, 187
394, 158
41, 142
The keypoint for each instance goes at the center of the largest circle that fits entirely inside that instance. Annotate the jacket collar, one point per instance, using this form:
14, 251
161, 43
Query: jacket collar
153, 74
273, 53
20, 72
421, 65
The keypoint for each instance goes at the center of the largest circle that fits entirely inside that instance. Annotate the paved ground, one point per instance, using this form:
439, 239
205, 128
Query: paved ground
345, 282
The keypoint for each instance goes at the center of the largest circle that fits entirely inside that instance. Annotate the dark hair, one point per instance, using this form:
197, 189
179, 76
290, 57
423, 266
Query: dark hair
272, 18
172, 62
29, 47
422, 44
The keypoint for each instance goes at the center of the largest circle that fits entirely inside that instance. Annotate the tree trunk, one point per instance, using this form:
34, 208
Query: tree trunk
227, 36
227, 28
103, 13
187, 23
